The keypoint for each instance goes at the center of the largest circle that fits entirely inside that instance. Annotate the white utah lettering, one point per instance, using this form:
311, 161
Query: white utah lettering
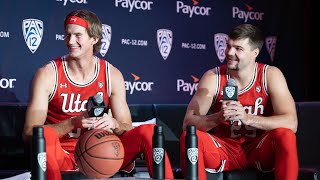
257, 105
73, 105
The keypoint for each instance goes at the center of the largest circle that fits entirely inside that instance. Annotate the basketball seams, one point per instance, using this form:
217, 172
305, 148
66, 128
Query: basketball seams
82, 151
85, 157
79, 145
94, 169
90, 153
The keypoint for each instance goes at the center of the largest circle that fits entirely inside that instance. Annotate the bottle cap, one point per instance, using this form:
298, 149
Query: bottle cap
158, 129
191, 129
38, 132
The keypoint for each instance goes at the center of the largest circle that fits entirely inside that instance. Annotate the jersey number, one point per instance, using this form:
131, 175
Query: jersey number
237, 129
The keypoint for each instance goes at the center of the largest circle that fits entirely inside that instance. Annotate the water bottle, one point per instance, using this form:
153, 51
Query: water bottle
158, 150
191, 153
38, 157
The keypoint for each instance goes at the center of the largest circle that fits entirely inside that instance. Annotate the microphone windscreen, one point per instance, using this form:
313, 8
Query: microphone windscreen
231, 82
98, 98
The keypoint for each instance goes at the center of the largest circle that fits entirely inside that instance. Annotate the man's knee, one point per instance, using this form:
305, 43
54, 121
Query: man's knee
283, 135
145, 130
283, 132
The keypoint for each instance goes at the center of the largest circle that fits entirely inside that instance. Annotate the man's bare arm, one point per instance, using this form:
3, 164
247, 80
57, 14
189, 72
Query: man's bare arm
37, 109
284, 115
119, 106
200, 104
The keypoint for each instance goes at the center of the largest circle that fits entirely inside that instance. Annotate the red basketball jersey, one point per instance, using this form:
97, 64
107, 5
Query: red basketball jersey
254, 99
69, 98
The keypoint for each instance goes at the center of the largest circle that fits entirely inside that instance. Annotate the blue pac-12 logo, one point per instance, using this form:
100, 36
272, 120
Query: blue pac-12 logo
220, 44
32, 32
164, 39
106, 39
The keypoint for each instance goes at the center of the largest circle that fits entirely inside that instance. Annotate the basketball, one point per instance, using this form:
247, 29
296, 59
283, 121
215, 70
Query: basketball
99, 154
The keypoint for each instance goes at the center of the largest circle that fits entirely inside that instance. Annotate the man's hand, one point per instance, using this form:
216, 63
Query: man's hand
83, 120
234, 111
105, 122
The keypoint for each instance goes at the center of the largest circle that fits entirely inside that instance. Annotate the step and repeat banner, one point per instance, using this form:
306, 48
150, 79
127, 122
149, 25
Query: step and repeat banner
162, 47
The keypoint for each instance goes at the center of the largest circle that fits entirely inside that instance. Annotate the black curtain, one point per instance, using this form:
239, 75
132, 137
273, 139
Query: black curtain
294, 55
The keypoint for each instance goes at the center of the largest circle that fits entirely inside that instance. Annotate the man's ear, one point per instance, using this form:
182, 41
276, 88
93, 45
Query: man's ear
94, 40
256, 52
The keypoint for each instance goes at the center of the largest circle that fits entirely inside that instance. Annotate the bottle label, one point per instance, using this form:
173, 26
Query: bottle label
42, 160
158, 154
192, 155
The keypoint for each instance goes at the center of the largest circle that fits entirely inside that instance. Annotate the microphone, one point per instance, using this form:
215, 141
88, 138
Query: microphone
96, 106
230, 92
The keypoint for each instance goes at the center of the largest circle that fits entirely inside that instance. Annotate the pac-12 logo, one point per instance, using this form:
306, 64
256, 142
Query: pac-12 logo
192, 155
32, 32
42, 161
164, 39
220, 44
230, 91
157, 154
106, 39
271, 43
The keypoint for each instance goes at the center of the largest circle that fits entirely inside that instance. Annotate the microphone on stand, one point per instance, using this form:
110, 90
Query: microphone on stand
96, 106
230, 92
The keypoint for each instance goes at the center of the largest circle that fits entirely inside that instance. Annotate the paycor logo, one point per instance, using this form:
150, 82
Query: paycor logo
191, 10
134, 4
73, 1
188, 87
247, 15
137, 85
7, 83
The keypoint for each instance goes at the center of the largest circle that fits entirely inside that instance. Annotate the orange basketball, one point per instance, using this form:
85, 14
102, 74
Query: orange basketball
99, 154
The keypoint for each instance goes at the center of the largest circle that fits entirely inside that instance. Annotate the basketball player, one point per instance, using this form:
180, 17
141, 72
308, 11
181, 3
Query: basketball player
262, 134
60, 91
